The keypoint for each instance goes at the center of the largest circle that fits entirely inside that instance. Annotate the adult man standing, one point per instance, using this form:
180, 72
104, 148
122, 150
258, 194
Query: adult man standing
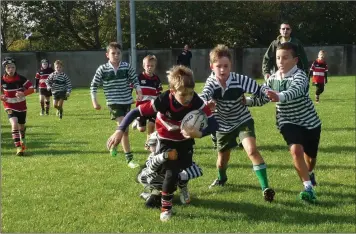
269, 65
185, 57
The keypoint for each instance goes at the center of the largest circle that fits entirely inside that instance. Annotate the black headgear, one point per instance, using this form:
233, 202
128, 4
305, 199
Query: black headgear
8, 60
45, 61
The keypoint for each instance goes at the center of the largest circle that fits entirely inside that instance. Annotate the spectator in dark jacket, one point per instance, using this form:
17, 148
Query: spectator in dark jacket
269, 65
185, 57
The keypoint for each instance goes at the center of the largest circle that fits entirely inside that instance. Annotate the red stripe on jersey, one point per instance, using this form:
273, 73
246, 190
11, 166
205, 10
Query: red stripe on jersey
9, 87
207, 111
147, 109
19, 106
319, 68
148, 91
42, 76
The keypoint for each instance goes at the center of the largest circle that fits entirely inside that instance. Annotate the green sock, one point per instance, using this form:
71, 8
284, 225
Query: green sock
222, 173
261, 172
129, 156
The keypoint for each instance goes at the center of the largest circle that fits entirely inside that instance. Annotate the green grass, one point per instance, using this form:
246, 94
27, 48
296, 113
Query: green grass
69, 183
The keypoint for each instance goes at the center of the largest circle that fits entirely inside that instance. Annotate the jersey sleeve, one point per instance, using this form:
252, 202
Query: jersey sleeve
159, 86
26, 83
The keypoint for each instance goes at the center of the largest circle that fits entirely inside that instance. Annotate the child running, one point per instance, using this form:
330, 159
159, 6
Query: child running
152, 175
115, 77
14, 89
227, 89
171, 107
296, 116
41, 77
59, 83
319, 72
151, 87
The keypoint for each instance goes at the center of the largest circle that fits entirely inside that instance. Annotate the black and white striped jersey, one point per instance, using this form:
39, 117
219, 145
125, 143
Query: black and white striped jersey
59, 82
295, 105
230, 111
153, 175
116, 83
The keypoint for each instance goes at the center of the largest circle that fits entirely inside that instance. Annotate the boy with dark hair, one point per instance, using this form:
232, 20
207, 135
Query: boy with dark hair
296, 116
171, 107
319, 72
225, 90
14, 88
115, 77
185, 56
269, 65
41, 77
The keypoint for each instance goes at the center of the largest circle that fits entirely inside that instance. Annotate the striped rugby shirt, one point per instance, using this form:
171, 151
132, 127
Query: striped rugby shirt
319, 69
41, 77
9, 87
295, 105
116, 83
153, 175
230, 112
59, 82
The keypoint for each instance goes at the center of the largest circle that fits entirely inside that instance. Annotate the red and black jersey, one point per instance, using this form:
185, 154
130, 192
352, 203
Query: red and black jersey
9, 87
151, 87
41, 77
170, 114
319, 69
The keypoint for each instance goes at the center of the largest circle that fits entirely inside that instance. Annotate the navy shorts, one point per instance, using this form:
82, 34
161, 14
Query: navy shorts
308, 138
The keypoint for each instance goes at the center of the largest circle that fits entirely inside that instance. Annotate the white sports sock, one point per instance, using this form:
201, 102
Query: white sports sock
307, 184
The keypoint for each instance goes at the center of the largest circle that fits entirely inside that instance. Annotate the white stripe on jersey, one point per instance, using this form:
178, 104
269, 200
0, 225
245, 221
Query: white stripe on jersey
318, 73
116, 84
59, 82
15, 99
297, 108
230, 112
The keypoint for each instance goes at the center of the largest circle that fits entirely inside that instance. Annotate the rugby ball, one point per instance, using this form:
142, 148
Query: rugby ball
196, 119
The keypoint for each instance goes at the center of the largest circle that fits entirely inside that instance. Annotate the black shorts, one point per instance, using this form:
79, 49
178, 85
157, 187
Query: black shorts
45, 92
308, 138
184, 150
20, 115
118, 110
60, 95
143, 120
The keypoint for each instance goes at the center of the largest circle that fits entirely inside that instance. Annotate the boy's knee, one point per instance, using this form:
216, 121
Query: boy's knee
252, 151
297, 150
142, 129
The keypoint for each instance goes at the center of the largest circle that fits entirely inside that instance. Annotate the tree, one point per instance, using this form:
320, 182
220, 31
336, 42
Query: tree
68, 24
13, 23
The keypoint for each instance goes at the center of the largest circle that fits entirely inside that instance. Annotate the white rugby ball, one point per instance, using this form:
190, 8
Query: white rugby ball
195, 118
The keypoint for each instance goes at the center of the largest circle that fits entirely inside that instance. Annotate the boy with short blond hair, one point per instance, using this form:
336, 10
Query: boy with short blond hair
171, 106
59, 84
297, 119
115, 77
319, 72
224, 90
151, 87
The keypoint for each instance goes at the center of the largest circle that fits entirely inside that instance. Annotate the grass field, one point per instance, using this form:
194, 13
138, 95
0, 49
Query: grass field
69, 183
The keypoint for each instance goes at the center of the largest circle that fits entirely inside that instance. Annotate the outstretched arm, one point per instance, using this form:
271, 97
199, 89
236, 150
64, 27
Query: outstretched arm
94, 85
298, 88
